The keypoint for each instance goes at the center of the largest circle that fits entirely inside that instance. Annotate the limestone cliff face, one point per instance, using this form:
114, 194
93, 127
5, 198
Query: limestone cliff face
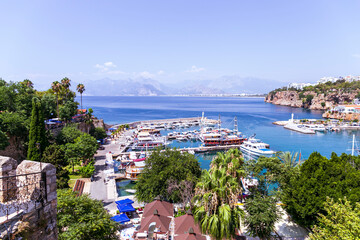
285, 98
344, 116
318, 101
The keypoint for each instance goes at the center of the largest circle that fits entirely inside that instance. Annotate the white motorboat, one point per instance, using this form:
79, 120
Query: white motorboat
317, 127
130, 190
254, 148
181, 138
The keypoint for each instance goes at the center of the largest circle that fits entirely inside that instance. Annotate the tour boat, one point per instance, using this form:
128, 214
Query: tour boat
254, 148
145, 141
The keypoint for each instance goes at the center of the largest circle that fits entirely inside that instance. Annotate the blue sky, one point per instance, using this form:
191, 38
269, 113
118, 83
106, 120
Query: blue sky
171, 41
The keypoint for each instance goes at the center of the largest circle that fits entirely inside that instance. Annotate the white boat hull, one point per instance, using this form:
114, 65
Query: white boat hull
256, 153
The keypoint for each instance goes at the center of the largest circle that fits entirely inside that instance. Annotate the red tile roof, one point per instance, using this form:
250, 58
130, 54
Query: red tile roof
162, 223
164, 208
184, 223
190, 236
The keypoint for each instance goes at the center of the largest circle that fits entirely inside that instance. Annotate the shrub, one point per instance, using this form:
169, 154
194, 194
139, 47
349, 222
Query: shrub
87, 170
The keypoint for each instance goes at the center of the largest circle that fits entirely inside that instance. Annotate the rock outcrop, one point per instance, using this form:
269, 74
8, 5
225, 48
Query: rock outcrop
310, 99
344, 116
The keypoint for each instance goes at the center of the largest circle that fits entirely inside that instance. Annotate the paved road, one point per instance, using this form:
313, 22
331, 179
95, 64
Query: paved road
98, 189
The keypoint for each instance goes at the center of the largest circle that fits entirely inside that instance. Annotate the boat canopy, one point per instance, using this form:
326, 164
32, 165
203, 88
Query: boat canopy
120, 218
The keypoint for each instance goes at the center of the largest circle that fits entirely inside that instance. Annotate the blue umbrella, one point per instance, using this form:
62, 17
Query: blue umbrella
125, 207
124, 201
121, 218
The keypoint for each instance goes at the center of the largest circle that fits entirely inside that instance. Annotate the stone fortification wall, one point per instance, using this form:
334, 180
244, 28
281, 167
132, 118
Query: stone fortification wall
28, 200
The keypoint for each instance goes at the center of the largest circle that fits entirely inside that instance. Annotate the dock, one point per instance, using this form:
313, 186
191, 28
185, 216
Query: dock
168, 121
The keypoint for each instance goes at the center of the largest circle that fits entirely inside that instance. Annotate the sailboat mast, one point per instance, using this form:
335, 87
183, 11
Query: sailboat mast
235, 126
353, 146
219, 123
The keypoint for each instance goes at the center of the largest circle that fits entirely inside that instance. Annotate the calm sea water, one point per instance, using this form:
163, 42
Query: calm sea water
253, 114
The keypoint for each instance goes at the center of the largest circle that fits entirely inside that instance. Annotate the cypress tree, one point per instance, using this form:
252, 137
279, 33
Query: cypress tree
37, 133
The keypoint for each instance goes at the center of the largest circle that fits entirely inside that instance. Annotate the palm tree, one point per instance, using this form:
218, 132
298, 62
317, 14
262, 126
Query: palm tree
216, 195
80, 88
55, 86
289, 159
28, 83
65, 83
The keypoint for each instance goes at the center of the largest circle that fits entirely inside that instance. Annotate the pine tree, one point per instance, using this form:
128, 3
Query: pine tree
37, 135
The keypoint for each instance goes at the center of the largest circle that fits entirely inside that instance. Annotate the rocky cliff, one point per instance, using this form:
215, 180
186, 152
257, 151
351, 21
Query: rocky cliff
311, 99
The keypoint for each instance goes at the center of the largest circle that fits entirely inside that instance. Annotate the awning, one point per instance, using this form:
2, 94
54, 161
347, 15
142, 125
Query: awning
124, 201
121, 218
125, 208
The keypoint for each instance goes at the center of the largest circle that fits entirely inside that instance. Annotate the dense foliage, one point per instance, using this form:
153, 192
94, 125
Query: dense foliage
319, 178
341, 221
261, 215
16, 108
55, 155
274, 173
160, 168
37, 136
216, 196
82, 218
82, 149
98, 133
68, 134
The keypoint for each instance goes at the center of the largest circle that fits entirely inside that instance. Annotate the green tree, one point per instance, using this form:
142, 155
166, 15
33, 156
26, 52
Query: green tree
65, 91
15, 125
68, 135
71, 154
162, 167
340, 222
216, 195
261, 215
86, 146
318, 179
48, 102
56, 86
37, 134
55, 155
98, 133
82, 218
4, 140
87, 170
68, 110
80, 88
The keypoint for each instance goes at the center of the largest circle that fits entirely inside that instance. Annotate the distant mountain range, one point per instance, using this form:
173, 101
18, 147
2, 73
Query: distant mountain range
151, 87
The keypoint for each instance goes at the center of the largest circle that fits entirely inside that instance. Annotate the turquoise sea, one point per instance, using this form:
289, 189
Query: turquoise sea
253, 114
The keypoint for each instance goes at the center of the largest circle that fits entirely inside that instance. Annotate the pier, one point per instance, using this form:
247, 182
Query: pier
168, 121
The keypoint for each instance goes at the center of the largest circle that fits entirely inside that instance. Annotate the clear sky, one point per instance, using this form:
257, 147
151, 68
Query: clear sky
172, 40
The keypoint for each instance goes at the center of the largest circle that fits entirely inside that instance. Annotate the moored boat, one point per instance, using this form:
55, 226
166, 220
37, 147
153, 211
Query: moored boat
254, 148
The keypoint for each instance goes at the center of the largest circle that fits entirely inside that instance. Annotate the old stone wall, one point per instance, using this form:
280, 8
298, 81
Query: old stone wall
30, 212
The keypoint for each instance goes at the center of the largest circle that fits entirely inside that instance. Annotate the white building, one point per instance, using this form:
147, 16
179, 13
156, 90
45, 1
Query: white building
299, 86
348, 78
347, 109
327, 79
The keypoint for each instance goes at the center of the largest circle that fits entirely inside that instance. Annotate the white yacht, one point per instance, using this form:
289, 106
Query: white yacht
316, 127
254, 148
